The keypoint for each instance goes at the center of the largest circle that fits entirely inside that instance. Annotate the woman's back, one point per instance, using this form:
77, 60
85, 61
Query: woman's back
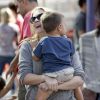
7, 34
90, 53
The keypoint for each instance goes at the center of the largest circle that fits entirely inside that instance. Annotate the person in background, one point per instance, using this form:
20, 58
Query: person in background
2, 83
8, 36
4, 88
24, 8
90, 56
8, 39
17, 16
80, 23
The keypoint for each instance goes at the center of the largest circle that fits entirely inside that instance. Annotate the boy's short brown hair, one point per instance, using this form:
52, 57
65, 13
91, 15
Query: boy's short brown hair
50, 20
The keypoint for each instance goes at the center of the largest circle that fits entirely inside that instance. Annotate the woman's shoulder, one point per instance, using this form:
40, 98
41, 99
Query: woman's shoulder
89, 34
25, 44
14, 27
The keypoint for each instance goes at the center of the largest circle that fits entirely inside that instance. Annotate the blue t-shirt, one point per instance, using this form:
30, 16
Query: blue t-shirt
55, 53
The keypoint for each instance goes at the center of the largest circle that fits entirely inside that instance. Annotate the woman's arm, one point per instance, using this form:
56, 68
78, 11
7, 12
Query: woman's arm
78, 68
33, 79
72, 84
26, 71
29, 70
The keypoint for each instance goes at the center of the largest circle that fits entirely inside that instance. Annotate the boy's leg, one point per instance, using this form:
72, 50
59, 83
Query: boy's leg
78, 94
43, 94
65, 75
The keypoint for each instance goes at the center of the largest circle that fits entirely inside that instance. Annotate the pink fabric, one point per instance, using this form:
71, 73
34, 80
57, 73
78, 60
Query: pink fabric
19, 22
26, 26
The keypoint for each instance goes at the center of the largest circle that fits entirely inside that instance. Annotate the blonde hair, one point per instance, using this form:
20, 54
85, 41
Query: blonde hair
5, 15
34, 34
42, 8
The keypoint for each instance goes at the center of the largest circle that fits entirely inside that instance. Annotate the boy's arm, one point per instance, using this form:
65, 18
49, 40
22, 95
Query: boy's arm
78, 94
35, 58
37, 52
13, 64
8, 86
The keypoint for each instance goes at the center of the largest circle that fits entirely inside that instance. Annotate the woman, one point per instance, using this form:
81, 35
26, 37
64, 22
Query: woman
30, 71
90, 54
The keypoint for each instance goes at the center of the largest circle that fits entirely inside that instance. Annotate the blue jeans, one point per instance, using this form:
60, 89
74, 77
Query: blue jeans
4, 60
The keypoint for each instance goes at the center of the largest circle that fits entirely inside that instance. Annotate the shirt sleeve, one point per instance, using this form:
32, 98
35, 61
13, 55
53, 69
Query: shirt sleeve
25, 60
26, 32
78, 69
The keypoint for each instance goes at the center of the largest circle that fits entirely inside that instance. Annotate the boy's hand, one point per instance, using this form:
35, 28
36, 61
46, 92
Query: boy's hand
52, 83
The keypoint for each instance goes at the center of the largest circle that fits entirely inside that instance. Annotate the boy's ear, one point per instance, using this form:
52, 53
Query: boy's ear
59, 27
25, 2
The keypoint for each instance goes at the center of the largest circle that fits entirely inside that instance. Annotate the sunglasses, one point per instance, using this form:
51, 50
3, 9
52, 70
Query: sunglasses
36, 17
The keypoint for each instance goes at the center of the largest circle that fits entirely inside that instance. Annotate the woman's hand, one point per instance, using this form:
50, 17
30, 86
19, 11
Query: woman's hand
52, 83
43, 86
